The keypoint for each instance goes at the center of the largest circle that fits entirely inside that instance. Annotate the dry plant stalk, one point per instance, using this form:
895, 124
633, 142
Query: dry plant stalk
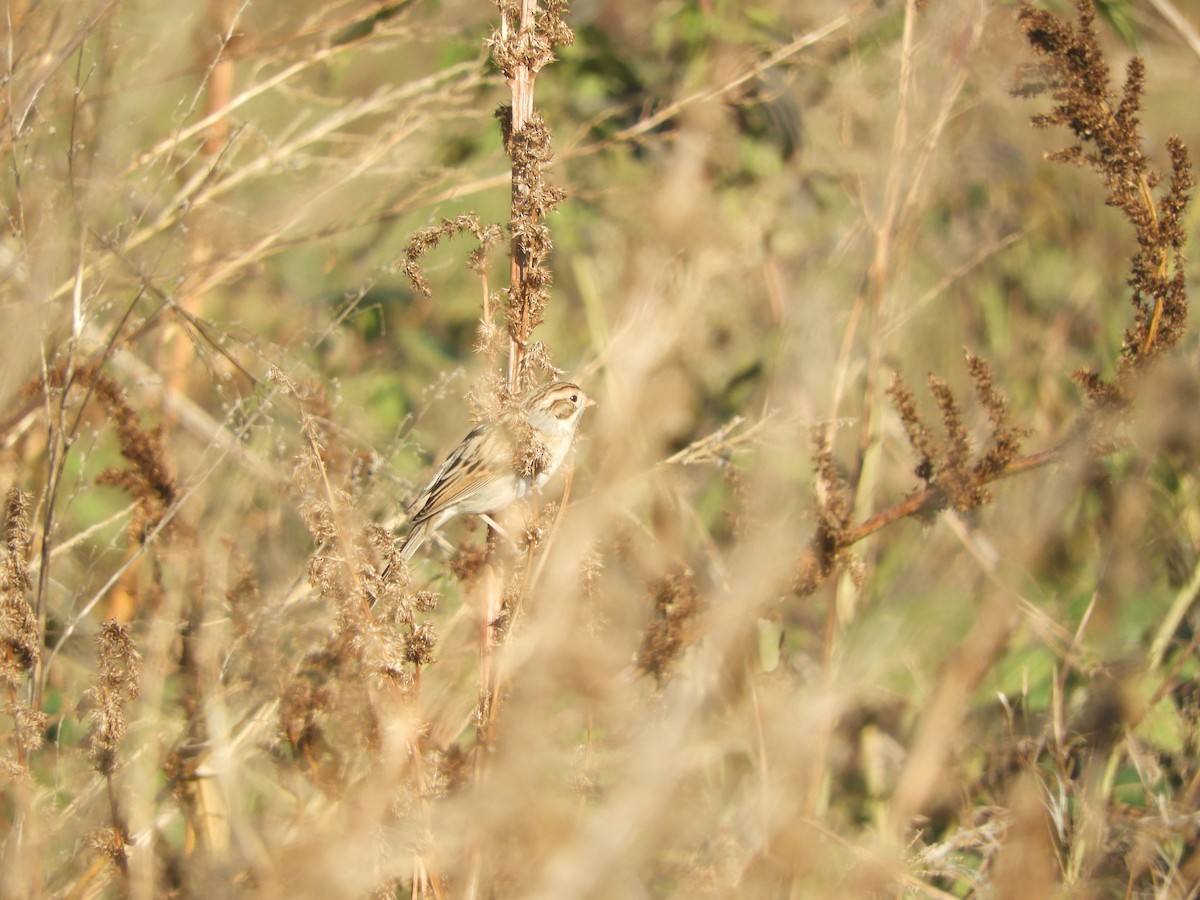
522, 46
312, 704
1076, 75
956, 476
677, 604
119, 683
1106, 127
20, 642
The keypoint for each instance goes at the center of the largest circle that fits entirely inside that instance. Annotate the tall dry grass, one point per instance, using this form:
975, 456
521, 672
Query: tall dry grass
823, 608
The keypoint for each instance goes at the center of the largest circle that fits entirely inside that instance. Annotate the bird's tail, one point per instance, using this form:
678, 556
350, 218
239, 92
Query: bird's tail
415, 539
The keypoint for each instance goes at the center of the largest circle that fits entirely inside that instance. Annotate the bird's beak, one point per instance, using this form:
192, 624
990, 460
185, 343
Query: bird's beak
590, 402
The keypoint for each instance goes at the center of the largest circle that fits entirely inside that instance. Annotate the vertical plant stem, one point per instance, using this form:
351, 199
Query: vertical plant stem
881, 265
520, 83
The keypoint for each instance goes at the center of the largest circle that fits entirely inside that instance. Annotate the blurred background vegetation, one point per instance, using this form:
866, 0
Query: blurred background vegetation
772, 208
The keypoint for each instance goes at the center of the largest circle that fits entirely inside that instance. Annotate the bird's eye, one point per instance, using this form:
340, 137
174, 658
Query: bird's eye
574, 398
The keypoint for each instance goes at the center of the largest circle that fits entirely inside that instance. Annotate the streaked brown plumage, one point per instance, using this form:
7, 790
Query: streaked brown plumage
483, 473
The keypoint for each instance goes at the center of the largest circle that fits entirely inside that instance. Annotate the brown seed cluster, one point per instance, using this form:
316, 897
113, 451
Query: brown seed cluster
119, 682
677, 607
1105, 124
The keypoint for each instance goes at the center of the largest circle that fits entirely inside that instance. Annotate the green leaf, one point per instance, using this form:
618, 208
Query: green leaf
1116, 13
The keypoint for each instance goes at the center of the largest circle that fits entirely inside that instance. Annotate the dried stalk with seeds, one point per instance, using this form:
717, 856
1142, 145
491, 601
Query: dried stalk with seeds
1108, 140
1106, 126
521, 47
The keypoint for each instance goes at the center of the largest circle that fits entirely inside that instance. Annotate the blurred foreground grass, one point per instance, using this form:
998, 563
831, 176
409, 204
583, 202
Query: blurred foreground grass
206, 209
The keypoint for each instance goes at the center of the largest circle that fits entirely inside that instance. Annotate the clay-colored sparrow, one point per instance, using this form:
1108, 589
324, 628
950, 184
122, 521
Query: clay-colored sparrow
500, 462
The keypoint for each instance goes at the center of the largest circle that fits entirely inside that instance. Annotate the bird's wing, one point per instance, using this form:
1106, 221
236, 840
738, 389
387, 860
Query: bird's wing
463, 475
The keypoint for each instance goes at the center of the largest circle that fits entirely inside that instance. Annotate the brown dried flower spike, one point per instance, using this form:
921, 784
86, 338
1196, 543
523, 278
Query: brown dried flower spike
1105, 126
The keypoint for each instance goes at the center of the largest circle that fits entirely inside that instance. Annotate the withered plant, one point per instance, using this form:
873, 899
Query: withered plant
821, 606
